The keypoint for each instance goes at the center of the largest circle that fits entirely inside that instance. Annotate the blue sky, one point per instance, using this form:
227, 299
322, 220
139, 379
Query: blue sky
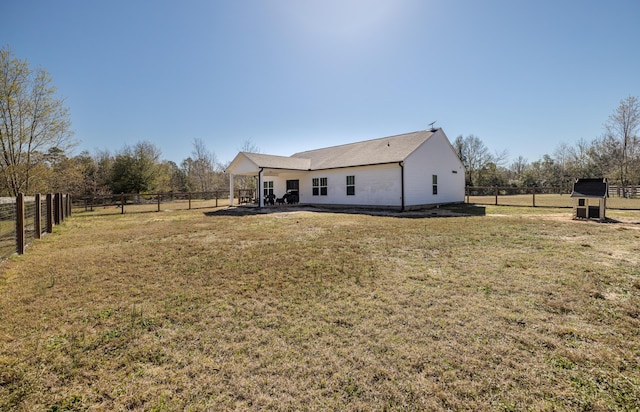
294, 75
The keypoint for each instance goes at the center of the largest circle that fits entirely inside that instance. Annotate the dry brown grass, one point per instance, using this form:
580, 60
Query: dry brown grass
322, 311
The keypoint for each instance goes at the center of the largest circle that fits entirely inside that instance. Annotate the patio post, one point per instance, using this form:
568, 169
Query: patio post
231, 189
260, 194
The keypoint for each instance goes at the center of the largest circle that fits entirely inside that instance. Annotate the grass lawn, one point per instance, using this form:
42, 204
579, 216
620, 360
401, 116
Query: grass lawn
199, 310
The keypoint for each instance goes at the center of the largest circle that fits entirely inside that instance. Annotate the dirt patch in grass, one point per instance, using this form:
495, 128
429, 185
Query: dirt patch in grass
302, 310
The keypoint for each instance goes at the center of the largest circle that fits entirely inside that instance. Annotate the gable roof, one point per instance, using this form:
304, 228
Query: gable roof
384, 150
370, 152
590, 188
278, 162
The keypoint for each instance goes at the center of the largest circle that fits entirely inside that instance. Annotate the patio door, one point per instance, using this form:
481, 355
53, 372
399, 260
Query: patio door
293, 185
293, 189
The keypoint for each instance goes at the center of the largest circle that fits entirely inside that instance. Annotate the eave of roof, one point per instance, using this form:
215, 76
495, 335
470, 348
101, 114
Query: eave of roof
278, 162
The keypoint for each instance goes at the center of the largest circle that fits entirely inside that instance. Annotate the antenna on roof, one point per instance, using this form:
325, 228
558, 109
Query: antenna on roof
431, 126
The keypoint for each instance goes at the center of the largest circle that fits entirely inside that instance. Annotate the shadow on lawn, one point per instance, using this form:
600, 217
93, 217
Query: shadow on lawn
443, 211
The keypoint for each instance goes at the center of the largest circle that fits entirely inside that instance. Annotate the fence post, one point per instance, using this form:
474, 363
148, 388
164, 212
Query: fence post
467, 192
189, 200
216, 195
158, 202
37, 224
20, 223
56, 208
122, 203
497, 190
533, 191
49, 213
68, 205
61, 207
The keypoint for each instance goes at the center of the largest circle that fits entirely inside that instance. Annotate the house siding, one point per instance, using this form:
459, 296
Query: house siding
377, 186
433, 157
374, 186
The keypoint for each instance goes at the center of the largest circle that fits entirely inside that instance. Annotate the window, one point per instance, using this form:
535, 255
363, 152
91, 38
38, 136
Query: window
434, 182
268, 188
319, 186
351, 185
293, 185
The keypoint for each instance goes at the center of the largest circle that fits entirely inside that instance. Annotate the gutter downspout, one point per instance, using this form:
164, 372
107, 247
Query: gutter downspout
401, 164
260, 194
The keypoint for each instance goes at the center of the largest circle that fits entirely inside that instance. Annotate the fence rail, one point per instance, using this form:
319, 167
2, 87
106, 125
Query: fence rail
546, 197
153, 202
26, 218
629, 192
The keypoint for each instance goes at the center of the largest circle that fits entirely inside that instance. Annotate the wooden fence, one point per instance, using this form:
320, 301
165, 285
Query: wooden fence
26, 218
152, 202
545, 197
629, 192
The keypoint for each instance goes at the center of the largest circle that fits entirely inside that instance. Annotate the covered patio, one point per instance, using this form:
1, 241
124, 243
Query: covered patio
278, 177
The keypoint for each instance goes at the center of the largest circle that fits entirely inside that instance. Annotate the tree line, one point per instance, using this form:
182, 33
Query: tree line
36, 144
614, 155
140, 169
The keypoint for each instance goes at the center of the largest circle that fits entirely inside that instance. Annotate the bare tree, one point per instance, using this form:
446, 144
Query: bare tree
474, 155
247, 182
518, 167
32, 121
249, 147
622, 132
202, 167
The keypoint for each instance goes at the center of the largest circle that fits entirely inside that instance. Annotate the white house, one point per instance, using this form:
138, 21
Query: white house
407, 171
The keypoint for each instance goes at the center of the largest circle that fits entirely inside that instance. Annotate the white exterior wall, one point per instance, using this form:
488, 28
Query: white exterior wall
434, 157
242, 165
377, 186
280, 181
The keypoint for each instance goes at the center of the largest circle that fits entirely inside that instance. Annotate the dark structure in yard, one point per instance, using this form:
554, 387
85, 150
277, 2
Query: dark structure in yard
591, 198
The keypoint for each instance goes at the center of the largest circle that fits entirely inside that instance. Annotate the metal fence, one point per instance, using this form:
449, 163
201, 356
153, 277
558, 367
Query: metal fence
26, 218
7, 226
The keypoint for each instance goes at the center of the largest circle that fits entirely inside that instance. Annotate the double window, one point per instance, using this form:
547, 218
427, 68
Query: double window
268, 188
351, 185
319, 186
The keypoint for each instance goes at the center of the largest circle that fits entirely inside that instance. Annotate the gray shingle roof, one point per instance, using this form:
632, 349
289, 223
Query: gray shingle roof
390, 149
278, 162
377, 151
